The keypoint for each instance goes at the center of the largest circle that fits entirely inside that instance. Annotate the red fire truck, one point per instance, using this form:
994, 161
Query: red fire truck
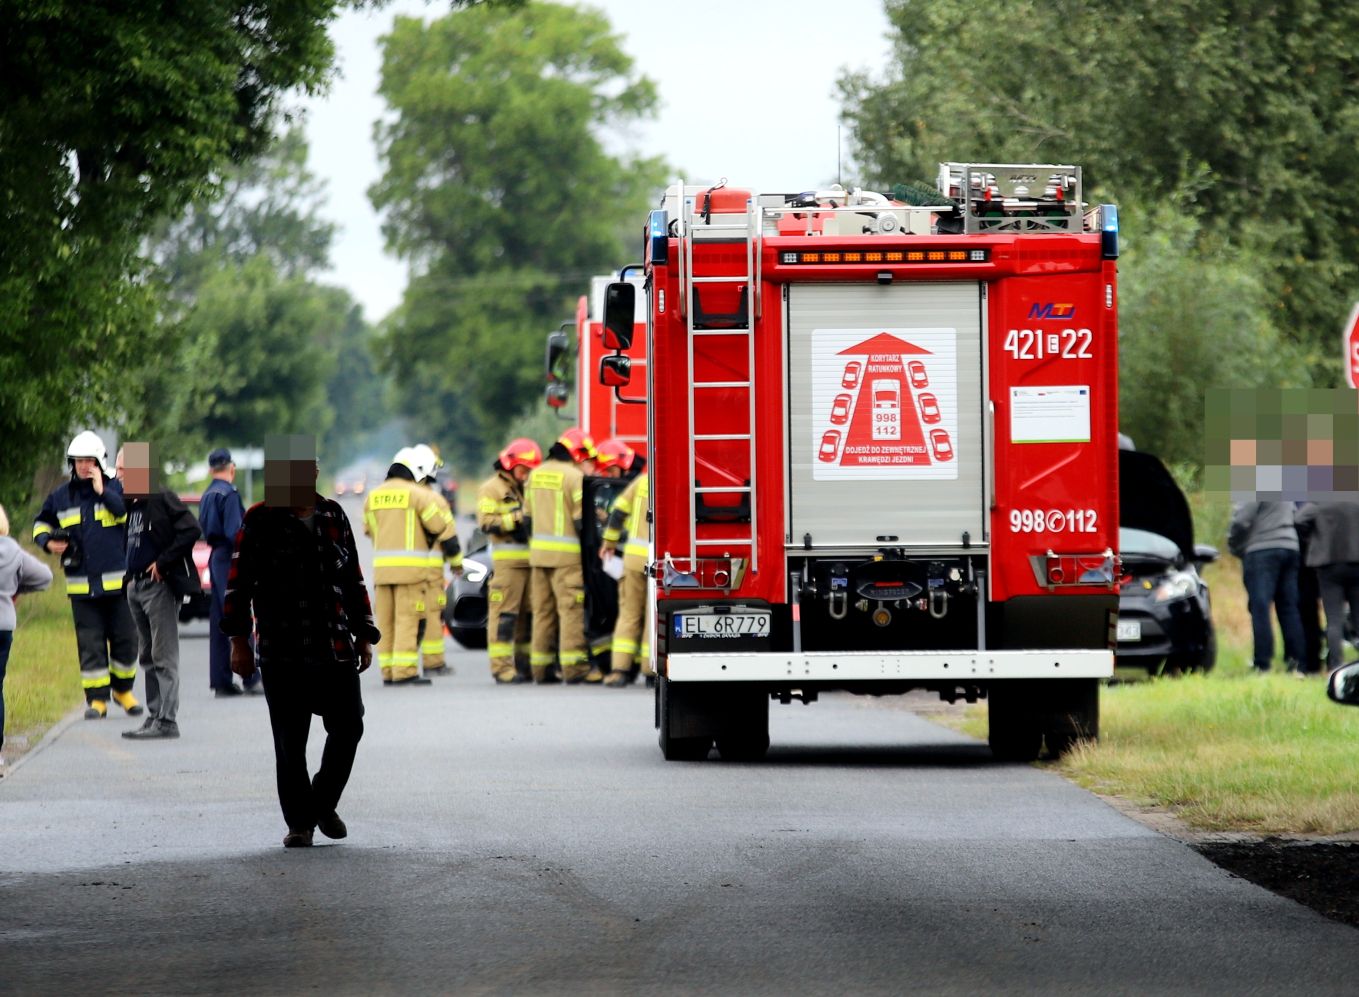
883, 451
605, 410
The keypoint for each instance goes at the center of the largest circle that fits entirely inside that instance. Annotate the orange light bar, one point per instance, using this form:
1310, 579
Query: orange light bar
949, 255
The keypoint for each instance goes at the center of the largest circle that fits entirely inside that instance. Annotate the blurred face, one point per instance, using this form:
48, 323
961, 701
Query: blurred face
133, 469
85, 467
290, 484
521, 472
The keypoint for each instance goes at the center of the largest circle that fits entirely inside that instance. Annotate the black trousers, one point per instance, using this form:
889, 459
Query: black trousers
106, 639
296, 691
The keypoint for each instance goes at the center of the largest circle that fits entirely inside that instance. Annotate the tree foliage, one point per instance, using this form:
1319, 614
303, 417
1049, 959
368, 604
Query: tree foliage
500, 190
1253, 110
111, 116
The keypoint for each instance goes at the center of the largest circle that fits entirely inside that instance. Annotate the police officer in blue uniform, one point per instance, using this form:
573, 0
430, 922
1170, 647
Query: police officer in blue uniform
220, 512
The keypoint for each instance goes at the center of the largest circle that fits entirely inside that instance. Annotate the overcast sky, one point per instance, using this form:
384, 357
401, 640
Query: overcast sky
747, 91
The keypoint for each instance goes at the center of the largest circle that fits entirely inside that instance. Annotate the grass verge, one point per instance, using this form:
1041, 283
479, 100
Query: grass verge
42, 682
1228, 751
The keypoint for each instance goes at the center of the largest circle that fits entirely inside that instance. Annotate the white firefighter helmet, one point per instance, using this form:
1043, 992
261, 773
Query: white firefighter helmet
88, 444
406, 458
426, 461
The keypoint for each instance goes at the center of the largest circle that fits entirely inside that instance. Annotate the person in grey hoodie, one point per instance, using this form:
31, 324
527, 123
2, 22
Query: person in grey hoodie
1263, 535
20, 572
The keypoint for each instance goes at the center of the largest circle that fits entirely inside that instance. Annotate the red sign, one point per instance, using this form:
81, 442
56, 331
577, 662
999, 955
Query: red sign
1351, 343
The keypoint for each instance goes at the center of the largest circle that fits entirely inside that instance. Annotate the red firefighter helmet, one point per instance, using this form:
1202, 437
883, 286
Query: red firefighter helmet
578, 444
613, 452
521, 451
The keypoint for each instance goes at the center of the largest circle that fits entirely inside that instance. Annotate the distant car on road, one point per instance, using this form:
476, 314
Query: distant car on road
853, 371
943, 446
830, 445
929, 408
840, 409
919, 379
351, 484
202, 553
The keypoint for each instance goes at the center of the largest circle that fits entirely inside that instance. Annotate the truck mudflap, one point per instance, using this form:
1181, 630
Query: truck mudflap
874, 666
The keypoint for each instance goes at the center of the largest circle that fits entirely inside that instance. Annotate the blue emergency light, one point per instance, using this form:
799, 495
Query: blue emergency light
1108, 214
658, 234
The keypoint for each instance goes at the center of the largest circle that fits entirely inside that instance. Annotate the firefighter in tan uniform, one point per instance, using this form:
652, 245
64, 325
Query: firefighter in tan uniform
403, 521
443, 550
553, 496
628, 525
500, 515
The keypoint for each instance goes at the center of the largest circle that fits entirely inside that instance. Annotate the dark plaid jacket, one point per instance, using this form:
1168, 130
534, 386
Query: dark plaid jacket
305, 587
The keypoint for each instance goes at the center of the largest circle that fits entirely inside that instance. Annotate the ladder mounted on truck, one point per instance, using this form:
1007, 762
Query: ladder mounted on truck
699, 217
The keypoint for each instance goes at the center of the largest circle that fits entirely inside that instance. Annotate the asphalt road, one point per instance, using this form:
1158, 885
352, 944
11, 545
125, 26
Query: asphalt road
532, 840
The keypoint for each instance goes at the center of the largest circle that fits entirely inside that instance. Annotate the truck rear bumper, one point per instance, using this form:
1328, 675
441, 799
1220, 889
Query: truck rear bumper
870, 666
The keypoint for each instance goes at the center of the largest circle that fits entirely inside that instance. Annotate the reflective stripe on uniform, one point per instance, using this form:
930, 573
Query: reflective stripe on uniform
557, 543
572, 657
40, 528
638, 548
539, 659
93, 681
431, 511
105, 518
403, 657
68, 517
497, 649
432, 646
399, 559
122, 671
77, 586
622, 645
111, 580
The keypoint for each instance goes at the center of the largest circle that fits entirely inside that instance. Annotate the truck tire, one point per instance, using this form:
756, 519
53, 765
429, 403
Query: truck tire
743, 732
673, 713
1014, 730
1073, 715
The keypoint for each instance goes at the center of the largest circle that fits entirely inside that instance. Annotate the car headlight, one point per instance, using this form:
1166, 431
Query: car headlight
474, 571
1175, 586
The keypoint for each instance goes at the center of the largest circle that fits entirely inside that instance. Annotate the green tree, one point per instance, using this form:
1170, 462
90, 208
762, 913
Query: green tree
500, 191
1194, 314
112, 115
1255, 108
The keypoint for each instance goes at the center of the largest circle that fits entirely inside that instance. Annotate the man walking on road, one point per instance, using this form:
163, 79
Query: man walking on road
295, 570
220, 512
161, 532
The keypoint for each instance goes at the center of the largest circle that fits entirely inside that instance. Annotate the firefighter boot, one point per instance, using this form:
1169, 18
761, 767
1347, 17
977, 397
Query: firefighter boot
620, 677
545, 675
96, 709
128, 702
576, 674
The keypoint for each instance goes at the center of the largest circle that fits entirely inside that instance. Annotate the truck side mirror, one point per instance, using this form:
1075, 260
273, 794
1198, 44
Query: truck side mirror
1343, 684
620, 309
557, 395
558, 348
615, 371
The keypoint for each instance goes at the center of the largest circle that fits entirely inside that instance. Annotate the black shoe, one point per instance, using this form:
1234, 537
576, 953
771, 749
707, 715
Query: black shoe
416, 680
227, 691
154, 729
331, 826
297, 839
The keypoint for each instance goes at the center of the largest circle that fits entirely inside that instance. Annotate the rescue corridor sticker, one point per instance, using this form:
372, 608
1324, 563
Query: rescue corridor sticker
884, 404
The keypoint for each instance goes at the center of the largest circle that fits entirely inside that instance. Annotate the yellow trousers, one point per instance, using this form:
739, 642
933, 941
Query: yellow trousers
399, 611
558, 619
508, 620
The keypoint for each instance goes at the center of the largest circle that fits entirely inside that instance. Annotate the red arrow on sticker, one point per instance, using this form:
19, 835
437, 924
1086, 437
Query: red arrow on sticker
885, 343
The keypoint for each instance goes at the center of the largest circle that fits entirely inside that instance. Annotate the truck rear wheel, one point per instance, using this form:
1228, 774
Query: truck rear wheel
743, 731
675, 716
1072, 714
1015, 730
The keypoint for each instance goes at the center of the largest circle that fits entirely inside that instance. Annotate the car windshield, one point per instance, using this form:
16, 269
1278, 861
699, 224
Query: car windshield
1146, 543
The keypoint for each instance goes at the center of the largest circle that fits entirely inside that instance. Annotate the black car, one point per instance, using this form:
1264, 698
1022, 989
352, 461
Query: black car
465, 605
1165, 617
